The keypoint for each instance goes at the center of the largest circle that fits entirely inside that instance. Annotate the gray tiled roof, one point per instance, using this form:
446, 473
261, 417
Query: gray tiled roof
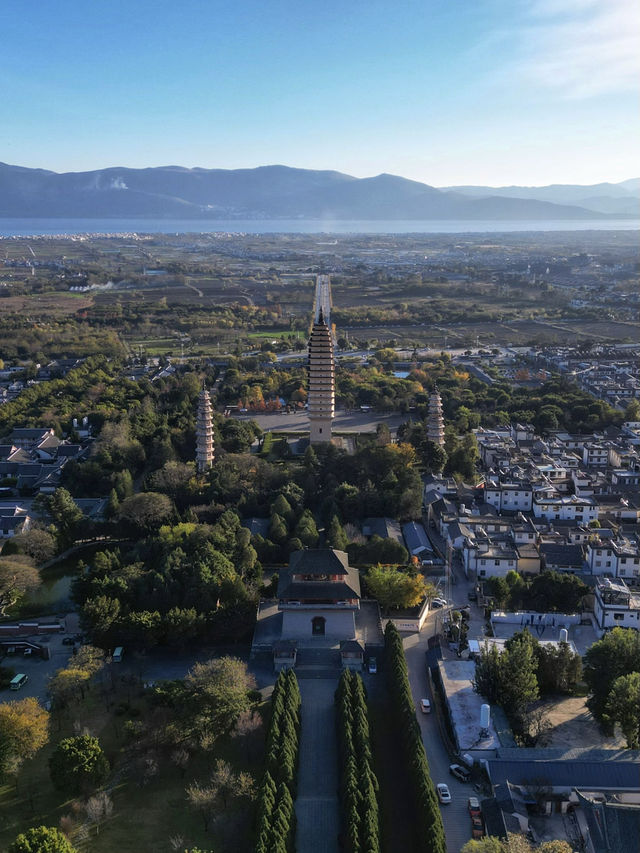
316, 590
588, 769
416, 537
613, 828
319, 561
562, 555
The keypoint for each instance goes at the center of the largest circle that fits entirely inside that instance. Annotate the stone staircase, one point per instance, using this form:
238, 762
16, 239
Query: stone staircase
323, 662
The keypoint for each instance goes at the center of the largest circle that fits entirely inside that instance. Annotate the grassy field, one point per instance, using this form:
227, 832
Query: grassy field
146, 814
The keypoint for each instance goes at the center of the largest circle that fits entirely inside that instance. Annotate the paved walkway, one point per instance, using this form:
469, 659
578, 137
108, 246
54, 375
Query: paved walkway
317, 801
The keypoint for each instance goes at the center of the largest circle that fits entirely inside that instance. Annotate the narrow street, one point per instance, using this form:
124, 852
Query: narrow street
455, 816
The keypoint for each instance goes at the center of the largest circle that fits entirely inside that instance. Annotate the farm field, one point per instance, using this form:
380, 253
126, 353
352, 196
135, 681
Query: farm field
227, 291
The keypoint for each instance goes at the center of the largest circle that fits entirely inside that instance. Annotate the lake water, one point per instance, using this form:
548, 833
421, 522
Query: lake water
39, 227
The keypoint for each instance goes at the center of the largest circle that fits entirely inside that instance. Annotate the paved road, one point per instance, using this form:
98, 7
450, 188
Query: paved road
317, 801
455, 816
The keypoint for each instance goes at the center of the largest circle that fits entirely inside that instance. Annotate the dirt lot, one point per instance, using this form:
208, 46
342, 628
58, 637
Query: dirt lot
574, 726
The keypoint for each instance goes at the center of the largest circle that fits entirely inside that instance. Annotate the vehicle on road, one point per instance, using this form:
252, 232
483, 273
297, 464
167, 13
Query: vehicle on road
473, 804
477, 827
444, 794
460, 772
118, 652
425, 706
373, 666
439, 602
68, 641
18, 681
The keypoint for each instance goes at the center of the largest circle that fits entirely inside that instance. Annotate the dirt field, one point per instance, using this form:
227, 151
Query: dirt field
574, 726
46, 304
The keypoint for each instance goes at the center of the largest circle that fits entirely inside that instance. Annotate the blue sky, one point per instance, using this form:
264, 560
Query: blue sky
442, 91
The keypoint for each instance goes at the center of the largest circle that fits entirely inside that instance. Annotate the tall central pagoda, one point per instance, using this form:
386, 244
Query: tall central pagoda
322, 367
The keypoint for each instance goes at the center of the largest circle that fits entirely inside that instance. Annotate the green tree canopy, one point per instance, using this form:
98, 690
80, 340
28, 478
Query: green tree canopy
24, 729
145, 512
395, 588
78, 764
18, 575
42, 839
336, 537
66, 515
217, 692
490, 844
616, 654
623, 707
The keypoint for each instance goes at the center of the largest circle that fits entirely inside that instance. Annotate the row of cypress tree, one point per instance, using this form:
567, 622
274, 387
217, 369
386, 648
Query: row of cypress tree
427, 817
358, 783
276, 815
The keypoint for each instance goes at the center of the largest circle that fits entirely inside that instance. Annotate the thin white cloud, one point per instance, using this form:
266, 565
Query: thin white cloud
582, 48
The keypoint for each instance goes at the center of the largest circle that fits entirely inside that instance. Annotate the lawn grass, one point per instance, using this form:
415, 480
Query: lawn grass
145, 816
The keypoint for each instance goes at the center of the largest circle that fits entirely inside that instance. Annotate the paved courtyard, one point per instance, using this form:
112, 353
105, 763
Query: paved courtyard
343, 422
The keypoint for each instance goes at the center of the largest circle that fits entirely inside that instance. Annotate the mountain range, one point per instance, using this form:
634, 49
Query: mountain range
280, 192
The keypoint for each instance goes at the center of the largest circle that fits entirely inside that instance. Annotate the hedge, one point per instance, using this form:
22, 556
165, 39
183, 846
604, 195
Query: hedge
358, 783
427, 817
276, 822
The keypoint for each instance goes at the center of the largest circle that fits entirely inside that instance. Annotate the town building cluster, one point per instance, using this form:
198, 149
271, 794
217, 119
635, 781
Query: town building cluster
31, 463
15, 378
611, 373
568, 503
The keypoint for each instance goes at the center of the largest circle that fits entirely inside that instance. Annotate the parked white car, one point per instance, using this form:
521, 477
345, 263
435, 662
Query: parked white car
443, 792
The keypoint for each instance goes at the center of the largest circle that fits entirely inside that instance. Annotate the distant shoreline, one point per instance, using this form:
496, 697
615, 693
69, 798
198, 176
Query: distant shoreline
40, 227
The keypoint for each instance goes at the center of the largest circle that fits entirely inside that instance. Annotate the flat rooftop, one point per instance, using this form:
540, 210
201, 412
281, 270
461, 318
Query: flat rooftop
465, 704
580, 636
500, 642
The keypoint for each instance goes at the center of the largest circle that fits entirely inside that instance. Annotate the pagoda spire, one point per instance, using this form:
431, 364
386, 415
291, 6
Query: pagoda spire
204, 432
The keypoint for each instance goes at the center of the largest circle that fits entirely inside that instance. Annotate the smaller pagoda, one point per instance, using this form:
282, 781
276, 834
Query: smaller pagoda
204, 432
435, 419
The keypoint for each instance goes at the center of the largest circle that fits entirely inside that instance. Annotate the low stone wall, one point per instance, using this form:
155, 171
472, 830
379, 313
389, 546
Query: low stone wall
531, 618
28, 629
408, 624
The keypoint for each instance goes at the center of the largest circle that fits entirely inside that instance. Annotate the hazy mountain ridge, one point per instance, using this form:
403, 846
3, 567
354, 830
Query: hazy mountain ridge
621, 199
274, 192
